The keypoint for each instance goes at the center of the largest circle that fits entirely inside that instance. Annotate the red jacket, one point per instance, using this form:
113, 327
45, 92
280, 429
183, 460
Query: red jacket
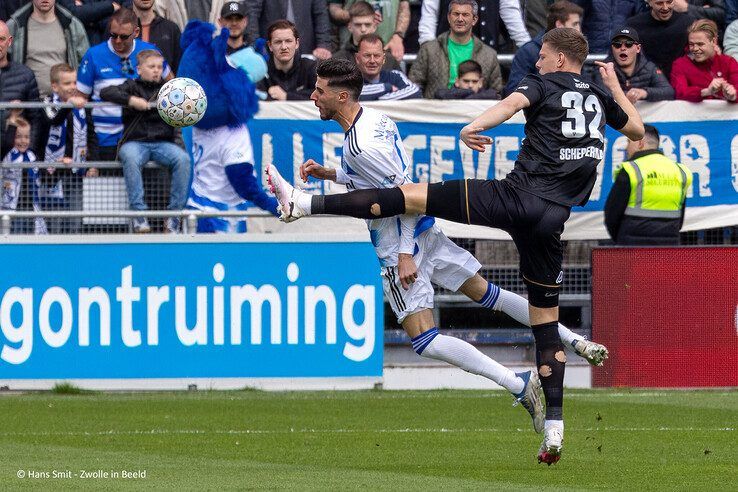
689, 78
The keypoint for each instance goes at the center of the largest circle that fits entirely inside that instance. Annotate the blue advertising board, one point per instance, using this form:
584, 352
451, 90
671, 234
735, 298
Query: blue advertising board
190, 309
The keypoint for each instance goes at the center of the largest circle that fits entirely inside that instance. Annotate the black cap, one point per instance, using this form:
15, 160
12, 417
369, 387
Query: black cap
234, 8
627, 32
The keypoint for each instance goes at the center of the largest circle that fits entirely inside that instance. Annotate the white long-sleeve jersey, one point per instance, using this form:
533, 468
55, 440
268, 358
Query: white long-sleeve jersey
374, 157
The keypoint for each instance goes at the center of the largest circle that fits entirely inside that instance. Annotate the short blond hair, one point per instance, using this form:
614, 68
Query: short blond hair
705, 25
144, 55
57, 70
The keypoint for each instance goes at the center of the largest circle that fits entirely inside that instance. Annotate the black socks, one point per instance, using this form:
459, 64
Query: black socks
365, 204
551, 362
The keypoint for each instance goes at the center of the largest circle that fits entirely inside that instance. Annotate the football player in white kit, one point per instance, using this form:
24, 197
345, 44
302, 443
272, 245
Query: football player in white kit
413, 251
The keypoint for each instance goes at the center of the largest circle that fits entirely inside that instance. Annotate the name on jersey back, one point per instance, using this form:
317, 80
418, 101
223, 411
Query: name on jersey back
576, 153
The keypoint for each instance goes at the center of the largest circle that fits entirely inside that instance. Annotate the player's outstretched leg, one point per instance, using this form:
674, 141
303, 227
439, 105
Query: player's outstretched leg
525, 386
493, 297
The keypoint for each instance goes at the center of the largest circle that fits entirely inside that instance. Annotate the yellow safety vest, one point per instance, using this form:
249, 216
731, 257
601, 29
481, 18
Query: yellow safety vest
658, 186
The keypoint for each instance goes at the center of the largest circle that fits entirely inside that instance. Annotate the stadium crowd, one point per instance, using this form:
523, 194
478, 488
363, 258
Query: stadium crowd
73, 50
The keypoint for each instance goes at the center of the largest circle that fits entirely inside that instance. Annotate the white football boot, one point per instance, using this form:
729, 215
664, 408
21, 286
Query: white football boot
531, 398
594, 353
553, 442
289, 210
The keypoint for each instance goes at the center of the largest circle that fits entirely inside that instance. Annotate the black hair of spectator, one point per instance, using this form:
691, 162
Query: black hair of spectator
343, 74
122, 16
560, 11
58, 69
469, 66
473, 3
371, 38
568, 41
651, 135
281, 24
360, 9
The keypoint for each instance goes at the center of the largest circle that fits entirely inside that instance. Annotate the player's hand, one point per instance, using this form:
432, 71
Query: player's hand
609, 77
471, 137
312, 168
407, 270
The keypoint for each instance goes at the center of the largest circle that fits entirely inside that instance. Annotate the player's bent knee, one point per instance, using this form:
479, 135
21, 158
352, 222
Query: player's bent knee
543, 296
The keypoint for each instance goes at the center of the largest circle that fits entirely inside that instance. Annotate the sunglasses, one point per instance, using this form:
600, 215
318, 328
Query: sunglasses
126, 66
618, 44
122, 37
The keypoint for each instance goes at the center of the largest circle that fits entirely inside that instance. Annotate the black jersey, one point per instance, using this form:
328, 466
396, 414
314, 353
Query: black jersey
564, 136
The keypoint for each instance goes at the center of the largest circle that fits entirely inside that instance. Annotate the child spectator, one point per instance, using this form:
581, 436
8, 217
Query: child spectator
64, 135
468, 85
704, 73
16, 189
146, 137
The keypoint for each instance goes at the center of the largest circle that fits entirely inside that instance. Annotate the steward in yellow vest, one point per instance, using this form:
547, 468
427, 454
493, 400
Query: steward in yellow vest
647, 201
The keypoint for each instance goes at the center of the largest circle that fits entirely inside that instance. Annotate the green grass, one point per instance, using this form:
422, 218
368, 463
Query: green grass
372, 440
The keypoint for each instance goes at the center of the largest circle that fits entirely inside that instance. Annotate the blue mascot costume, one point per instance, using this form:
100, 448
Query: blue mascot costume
223, 176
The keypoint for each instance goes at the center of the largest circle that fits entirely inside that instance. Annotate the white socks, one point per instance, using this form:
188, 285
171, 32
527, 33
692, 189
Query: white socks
461, 354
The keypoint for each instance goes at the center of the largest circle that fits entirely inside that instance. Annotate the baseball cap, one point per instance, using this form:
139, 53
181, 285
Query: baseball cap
234, 8
627, 32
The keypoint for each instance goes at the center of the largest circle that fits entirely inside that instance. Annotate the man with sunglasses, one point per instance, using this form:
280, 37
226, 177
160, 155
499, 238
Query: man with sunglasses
639, 78
107, 64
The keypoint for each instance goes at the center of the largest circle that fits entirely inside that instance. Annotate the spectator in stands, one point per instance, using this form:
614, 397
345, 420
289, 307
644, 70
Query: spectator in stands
469, 84
111, 63
434, 21
647, 200
639, 78
730, 41
703, 9
437, 64
14, 187
94, 15
392, 16
64, 135
704, 73
159, 31
381, 84
731, 11
561, 14
310, 17
289, 76
18, 84
234, 16
148, 137
602, 18
362, 20
663, 33
177, 10
46, 34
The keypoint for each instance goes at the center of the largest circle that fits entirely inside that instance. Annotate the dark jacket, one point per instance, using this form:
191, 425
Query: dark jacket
8, 8
51, 116
603, 17
298, 82
524, 63
139, 126
94, 16
708, 9
311, 19
635, 231
75, 36
456, 93
165, 35
349, 50
662, 42
645, 76
18, 82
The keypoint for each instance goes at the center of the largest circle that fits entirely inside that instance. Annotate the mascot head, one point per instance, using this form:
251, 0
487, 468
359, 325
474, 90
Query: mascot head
228, 81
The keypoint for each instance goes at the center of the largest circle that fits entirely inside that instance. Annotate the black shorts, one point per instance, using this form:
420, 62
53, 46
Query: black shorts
534, 223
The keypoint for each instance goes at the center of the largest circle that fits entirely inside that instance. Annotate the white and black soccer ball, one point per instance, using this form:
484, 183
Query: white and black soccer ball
181, 102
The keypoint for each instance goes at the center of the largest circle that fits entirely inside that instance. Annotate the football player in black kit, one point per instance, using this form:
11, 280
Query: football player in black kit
555, 170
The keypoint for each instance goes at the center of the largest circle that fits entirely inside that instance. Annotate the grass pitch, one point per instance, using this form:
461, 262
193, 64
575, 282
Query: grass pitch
372, 440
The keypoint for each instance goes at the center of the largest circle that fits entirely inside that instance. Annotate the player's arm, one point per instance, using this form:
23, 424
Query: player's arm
633, 128
312, 168
494, 116
407, 270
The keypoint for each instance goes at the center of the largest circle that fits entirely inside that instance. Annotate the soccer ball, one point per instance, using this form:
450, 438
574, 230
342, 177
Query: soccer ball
181, 102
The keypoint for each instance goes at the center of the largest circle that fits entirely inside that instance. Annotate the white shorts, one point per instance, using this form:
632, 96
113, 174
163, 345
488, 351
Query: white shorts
439, 261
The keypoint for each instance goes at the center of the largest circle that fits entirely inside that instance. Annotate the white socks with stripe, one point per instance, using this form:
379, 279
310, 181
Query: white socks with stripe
516, 307
461, 354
